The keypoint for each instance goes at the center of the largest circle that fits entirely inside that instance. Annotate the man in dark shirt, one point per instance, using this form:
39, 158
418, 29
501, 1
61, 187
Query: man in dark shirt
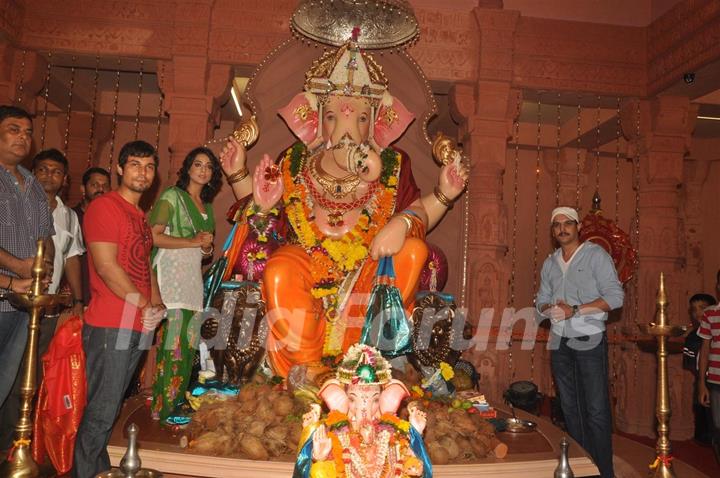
95, 183
24, 218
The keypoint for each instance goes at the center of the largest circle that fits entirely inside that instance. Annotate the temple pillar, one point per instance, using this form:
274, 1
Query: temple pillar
485, 111
695, 172
194, 91
573, 169
666, 124
193, 87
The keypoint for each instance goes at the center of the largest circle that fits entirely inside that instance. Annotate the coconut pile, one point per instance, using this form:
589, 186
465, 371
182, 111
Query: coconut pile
261, 424
265, 423
457, 436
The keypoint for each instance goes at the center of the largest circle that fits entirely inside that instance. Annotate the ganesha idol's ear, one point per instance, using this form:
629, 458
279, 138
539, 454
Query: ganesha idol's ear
301, 116
392, 395
391, 121
333, 394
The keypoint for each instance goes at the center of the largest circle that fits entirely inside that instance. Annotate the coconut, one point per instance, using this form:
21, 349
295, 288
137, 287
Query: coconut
480, 445
438, 454
212, 443
466, 451
294, 434
283, 406
449, 444
265, 411
277, 432
253, 448
256, 428
246, 393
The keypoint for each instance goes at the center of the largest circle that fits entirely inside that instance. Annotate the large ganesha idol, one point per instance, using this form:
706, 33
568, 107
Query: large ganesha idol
362, 435
314, 223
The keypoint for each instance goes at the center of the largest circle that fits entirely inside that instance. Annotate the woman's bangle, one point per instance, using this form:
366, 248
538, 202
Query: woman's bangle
238, 176
208, 253
442, 199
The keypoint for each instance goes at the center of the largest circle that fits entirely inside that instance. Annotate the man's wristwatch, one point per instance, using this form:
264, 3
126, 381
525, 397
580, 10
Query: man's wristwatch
576, 310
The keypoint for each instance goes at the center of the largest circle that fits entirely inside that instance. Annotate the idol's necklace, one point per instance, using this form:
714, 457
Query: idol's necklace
338, 188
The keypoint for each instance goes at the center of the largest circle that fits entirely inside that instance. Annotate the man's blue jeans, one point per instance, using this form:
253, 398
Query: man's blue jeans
580, 370
111, 358
13, 337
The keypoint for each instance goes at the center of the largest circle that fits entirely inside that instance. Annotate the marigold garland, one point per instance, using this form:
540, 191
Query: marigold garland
332, 259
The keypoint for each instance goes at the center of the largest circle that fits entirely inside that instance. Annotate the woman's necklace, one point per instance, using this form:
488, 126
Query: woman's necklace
336, 187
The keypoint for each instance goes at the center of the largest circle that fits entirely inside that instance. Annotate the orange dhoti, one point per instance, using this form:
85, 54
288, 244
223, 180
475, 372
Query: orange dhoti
296, 321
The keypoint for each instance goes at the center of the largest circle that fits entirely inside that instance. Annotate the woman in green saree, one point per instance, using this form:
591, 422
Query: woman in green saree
182, 224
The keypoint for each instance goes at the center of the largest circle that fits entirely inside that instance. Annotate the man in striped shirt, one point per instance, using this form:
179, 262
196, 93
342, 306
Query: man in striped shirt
709, 389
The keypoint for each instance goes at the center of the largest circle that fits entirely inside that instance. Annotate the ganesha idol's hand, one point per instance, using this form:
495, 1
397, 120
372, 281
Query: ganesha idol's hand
322, 445
389, 240
453, 178
267, 184
417, 418
233, 156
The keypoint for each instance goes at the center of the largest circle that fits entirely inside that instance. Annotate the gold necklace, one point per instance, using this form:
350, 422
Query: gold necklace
335, 187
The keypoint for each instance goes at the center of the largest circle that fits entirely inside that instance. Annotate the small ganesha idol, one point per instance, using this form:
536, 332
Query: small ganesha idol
362, 436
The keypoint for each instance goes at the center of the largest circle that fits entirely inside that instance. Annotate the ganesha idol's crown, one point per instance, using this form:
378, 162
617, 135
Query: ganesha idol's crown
347, 71
364, 364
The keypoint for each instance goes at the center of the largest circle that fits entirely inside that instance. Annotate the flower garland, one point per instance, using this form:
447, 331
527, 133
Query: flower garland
398, 424
332, 259
358, 468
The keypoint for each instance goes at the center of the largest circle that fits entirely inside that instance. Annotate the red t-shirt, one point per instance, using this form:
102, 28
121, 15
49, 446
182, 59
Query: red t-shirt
110, 218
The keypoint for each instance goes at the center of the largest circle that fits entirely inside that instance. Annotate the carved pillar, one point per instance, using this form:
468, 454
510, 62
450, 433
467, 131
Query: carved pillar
194, 88
695, 173
573, 171
485, 110
666, 124
193, 95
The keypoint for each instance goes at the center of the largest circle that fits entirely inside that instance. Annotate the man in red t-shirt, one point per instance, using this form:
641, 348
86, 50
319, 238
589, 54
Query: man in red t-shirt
125, 305
709, 368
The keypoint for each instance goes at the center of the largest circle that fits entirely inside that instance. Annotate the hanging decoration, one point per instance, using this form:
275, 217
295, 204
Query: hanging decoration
20, 87
577, 155
618, 134
465, 246
557, 153
43, 123
160, 106
113, 131
636, 223
536, 247
91, 139
68, 112
139, 99
513, 239
597, 147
